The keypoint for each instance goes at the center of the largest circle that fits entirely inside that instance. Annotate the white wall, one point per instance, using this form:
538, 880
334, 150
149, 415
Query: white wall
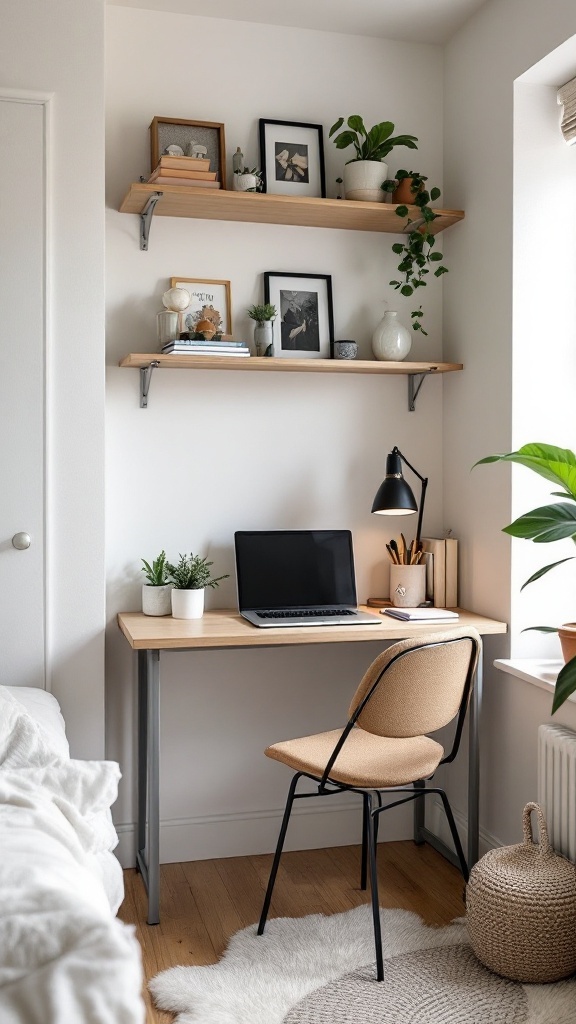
58, 48
486, 332
215, 452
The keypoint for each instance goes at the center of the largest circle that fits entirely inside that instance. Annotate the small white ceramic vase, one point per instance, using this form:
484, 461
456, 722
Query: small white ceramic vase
244, 182
156, 600
187, 604
407, 585
391, 340
362, 180
263, 337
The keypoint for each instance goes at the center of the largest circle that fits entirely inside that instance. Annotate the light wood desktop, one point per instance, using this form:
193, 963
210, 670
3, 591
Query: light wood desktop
220, 629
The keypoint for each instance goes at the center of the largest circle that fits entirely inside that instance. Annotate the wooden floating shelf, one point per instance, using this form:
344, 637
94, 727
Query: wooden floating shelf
141, 360
253, 207
416, 373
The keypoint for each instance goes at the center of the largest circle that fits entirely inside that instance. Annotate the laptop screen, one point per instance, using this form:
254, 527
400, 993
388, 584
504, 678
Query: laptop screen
294, 568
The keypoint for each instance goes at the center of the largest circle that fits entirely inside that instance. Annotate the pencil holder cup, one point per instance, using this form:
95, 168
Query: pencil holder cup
407, 585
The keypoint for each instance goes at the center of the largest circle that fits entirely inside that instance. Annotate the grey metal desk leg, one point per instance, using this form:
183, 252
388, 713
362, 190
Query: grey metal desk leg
474, 768
148, 852
419, 816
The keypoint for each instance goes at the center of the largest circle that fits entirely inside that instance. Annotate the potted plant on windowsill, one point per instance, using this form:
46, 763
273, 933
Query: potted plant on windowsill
263, 316
190, 576
418, 255
156, 592
365, 172
544, 525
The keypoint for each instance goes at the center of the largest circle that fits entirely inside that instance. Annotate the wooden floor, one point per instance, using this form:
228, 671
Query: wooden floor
204, 902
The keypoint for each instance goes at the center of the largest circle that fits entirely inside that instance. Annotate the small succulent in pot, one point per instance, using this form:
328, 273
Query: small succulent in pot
265, 311
157, 573
192, 572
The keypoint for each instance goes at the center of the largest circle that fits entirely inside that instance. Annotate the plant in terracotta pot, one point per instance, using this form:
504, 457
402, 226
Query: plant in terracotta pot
365, 172
418, 255
156, 592
263, 316
405, 186
190, 576
545, 525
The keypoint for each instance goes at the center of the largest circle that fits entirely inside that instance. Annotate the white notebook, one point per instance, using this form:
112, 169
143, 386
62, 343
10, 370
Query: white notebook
421, 614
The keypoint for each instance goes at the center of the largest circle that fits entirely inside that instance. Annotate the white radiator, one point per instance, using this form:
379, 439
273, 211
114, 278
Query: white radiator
557, 785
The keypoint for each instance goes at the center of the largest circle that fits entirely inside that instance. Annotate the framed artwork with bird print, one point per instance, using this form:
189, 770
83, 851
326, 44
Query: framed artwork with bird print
304, 328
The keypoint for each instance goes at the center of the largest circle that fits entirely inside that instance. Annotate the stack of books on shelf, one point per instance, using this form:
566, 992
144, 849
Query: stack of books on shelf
184, 170
210, 348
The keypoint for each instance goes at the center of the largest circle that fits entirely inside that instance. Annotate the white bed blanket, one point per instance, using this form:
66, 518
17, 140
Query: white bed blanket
64, 958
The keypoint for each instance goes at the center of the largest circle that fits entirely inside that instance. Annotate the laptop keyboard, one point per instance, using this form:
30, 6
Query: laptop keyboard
305, 613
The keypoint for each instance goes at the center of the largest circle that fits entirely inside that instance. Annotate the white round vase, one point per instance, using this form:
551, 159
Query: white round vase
187, 604
391, 340
156, 600
362, 180
263, 337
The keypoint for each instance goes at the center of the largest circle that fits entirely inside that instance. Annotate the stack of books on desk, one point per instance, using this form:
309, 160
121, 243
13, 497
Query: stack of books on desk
184, 170
441, 558
189, 347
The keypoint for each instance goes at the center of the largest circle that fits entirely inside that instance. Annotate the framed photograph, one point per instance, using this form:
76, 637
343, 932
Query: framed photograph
304, 327
209, 300
292, 158
195, 138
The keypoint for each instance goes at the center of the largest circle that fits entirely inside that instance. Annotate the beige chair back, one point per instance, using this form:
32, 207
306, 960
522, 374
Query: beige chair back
421, 691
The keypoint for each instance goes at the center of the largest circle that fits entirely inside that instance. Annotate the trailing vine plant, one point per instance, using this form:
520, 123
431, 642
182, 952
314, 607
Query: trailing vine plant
418, 253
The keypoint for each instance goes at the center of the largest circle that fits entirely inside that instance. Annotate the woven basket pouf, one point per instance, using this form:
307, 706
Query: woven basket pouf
521, 909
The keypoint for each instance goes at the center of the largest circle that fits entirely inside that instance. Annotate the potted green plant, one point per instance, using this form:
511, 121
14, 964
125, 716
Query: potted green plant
544, 525
405, 186
247, 180
264, 316
156, 592
190, 577
418, 255
365, 172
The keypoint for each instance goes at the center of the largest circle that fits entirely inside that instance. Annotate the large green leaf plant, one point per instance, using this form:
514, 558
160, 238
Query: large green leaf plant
547, 524
369, 144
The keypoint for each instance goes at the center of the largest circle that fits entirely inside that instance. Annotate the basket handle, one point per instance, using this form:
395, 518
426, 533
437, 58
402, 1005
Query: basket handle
527, 827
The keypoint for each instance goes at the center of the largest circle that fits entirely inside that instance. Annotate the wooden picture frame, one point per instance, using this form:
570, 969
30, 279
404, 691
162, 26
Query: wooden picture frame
292, 158
167, 131
207, 293
304, 327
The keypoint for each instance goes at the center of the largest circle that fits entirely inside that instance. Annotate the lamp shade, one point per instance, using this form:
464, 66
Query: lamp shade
394, 497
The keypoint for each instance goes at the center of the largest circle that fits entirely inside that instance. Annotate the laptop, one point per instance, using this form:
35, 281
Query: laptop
298, 578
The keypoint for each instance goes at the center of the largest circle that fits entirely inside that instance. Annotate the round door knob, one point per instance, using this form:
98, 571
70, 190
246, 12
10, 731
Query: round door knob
21, 541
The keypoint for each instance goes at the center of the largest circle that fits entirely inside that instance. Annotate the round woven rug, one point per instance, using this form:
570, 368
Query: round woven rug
320, 970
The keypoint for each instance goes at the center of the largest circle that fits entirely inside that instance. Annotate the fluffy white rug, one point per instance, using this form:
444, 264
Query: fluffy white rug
259, 980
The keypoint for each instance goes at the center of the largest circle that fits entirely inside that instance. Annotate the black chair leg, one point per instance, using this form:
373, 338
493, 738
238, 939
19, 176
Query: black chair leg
374, 891
454, 833
277, 855
365, 816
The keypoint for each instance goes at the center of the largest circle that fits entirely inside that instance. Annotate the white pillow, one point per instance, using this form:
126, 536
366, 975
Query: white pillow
44, 709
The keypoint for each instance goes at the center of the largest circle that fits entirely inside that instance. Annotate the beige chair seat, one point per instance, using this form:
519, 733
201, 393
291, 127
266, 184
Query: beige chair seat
365, 760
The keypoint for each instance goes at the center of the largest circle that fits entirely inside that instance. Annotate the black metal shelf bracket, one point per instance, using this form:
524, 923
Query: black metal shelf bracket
145, 379
415, 382
146, 219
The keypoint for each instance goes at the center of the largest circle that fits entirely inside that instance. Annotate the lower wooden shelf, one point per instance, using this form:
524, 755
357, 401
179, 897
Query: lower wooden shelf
416, 372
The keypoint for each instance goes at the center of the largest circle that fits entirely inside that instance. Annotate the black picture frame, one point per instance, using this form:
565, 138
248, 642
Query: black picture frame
296, 334
280, 143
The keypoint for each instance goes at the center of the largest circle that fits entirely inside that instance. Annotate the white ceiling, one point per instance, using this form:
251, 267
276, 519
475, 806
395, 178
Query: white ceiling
422, 21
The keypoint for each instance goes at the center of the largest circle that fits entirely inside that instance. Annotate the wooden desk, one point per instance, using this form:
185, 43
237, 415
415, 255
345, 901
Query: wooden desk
217, 630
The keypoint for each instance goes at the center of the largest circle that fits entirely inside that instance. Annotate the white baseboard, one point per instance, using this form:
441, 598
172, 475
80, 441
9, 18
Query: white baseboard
315, 824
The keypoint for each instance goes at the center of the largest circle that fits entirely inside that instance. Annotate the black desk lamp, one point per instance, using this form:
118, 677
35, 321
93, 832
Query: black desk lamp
395, 497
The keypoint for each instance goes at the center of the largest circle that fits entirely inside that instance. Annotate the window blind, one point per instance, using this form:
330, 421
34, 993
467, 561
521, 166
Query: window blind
567, 98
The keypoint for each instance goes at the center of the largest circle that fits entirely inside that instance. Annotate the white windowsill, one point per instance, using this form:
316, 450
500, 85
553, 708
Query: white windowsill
540, 672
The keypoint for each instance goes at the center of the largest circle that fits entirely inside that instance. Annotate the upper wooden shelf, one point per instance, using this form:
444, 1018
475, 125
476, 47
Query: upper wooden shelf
253, 207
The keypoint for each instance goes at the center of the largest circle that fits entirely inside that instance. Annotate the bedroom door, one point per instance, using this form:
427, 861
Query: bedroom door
22, 389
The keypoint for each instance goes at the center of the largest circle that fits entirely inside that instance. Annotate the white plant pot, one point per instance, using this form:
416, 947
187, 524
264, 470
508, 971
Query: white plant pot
263, 337
244, 182
187, 604
362, 180
156, 600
